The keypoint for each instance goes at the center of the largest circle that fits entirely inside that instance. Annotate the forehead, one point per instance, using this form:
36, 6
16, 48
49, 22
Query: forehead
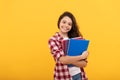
66, 18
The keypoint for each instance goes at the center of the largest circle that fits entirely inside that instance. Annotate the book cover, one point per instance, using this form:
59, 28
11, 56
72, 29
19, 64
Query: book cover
77, 46
65, 45
74, 47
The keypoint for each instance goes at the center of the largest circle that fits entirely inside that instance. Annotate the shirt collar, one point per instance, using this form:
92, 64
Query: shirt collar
59, 37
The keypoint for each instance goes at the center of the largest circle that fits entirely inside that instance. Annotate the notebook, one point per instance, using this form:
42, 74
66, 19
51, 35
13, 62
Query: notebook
74, 47
77, 46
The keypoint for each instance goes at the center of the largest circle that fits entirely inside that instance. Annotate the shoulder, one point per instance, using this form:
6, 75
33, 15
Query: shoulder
56, 36
53, 38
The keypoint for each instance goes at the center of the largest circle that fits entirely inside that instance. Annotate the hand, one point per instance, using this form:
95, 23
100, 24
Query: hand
84, 55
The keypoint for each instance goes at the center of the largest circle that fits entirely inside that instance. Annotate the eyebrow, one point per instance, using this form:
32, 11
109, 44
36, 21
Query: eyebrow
69, 22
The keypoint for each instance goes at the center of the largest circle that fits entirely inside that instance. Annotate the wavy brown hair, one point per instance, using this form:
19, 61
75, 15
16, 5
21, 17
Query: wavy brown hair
74, 32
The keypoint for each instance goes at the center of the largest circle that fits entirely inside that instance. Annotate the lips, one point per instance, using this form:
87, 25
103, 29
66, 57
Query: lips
64, 28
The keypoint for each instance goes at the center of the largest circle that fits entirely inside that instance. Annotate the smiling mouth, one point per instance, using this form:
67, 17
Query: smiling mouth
66, 29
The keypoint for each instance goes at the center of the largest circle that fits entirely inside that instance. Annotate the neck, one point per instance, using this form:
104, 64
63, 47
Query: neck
64, 35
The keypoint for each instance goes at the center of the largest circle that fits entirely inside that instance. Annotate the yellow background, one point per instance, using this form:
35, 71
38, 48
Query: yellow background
26, 26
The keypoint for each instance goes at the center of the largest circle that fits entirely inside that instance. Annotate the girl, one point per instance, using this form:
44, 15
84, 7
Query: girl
67, 29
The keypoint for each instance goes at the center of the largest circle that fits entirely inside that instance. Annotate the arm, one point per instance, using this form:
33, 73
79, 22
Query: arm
73, 59
58, 54
69, 59
81, 63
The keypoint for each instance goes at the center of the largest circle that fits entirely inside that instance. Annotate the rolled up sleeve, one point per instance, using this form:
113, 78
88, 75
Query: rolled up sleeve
56, 51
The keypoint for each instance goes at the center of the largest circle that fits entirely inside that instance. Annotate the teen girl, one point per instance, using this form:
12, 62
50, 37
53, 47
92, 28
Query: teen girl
67, 29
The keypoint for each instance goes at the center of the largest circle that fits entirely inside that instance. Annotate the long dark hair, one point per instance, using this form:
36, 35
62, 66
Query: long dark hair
74, 32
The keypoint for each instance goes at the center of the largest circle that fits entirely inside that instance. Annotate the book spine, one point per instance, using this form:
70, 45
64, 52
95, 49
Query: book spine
68, 43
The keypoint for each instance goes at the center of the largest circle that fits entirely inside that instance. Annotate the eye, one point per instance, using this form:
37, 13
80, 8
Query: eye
64, 22
70, 24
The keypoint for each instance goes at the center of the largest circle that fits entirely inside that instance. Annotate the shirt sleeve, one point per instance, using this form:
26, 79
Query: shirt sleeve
56, 51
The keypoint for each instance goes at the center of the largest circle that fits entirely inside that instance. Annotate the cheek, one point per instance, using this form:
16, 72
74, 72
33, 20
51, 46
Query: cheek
61, 25
70, 27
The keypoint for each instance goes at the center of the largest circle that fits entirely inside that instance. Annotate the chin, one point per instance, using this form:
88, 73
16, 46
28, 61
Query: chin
65, 31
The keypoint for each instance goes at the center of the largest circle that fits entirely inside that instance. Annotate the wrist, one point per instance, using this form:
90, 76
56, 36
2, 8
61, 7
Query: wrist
81, 57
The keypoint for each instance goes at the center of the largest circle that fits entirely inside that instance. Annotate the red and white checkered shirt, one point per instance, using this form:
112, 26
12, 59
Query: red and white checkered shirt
61, 71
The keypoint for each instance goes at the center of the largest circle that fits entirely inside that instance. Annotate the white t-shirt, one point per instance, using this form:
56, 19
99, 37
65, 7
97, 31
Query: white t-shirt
73, 70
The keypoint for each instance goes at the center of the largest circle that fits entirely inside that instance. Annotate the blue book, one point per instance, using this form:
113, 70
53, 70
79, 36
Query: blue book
77, 47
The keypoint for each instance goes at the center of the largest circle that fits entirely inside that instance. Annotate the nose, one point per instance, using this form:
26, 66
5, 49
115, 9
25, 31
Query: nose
67, 25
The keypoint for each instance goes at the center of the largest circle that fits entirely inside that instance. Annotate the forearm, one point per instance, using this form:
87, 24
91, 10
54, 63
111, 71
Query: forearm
80, 63
69, 59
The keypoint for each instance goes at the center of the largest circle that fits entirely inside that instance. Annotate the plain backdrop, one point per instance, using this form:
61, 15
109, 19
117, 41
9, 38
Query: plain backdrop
26, 26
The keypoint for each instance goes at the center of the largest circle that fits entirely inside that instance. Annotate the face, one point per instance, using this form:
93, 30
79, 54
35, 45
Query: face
65, 24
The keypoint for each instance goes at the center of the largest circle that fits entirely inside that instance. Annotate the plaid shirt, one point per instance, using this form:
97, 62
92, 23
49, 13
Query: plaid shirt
61, 71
